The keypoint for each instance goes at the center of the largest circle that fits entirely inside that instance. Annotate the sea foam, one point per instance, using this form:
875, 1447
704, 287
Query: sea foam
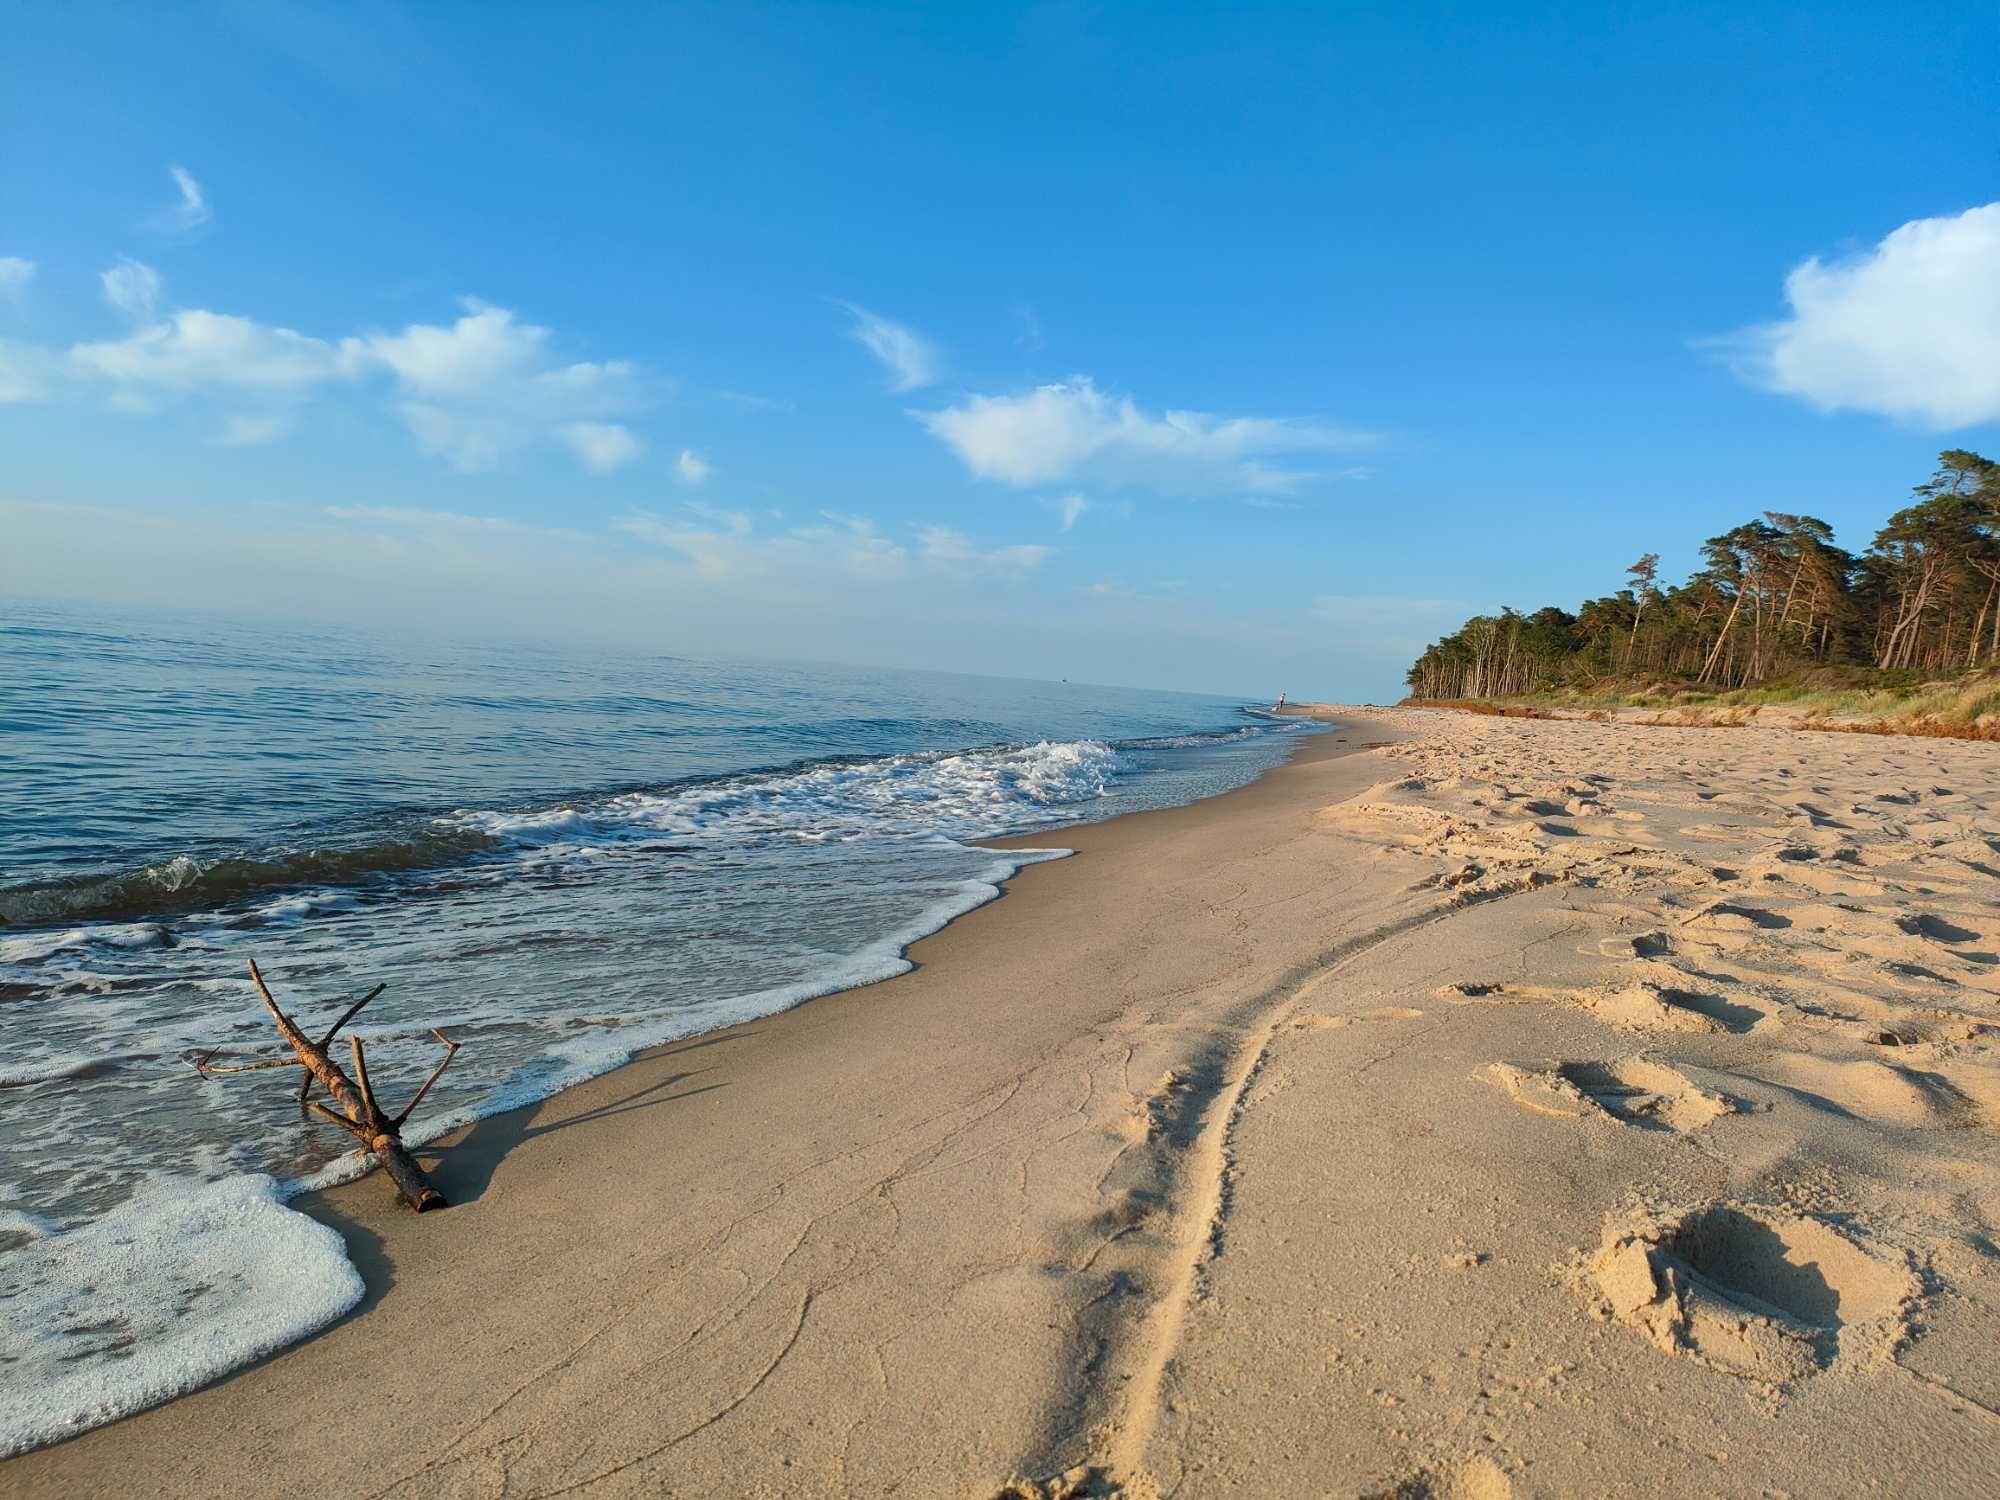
178, 1286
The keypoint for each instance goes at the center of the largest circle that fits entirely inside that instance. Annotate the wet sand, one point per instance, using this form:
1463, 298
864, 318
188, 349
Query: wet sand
1516, 1108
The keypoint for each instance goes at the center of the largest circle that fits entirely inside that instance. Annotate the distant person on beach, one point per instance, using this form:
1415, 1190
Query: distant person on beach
1281, 700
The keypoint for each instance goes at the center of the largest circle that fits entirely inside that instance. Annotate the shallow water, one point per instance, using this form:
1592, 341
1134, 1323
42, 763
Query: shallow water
557, 855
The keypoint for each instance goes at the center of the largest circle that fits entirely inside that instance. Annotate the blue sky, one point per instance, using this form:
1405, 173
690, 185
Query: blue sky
1238, 347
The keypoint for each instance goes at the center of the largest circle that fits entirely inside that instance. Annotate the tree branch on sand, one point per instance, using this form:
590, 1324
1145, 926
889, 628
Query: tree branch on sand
364, 1119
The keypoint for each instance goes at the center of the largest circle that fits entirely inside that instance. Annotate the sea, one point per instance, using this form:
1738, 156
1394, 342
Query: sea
554, 855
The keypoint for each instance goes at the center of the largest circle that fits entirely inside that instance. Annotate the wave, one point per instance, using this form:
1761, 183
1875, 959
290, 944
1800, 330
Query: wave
955, 794
185, 883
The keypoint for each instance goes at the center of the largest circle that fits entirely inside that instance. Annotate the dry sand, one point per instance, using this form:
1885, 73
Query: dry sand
1518, 1108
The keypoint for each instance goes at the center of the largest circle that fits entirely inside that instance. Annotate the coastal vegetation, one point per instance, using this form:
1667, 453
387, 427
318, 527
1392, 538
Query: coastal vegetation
1778, 615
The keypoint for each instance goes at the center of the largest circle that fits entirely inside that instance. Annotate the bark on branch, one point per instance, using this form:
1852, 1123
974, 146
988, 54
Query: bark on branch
364, 1119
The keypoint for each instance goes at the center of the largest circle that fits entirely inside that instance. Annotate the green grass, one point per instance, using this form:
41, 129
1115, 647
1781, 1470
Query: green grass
1836, 696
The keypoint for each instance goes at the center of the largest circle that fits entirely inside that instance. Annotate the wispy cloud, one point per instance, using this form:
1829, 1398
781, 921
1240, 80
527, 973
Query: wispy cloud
1909, 328
910, 359
943, 545
1072, 430
1069, 509
415, 518
726, 544
834, 547
191, 212
693, 468
132, 287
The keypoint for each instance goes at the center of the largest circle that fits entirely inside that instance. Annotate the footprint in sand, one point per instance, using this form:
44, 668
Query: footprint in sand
1642, 945
1641, 1091
1751, 1289
1314, 1021
1640, 1006
1938, 930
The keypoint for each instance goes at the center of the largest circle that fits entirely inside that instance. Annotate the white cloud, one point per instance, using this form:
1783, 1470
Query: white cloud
474, 392
15, 274
728, 544
1909, 329
413, 518
911, 360
602, 446
856, 542
479, 388
694, 469
955, 549
194, 347
719, 543
944, 545
467, 360
192, 211
1072, 430
132, 287
250, 432
1070, 509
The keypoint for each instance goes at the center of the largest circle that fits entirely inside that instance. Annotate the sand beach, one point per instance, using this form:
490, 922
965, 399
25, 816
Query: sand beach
1471, 1107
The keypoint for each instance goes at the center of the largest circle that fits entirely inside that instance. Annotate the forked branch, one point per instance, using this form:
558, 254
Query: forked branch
306, 1083
363, 1117
450, 1051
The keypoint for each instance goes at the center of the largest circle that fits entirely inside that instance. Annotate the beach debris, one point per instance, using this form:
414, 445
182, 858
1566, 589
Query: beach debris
378, 1132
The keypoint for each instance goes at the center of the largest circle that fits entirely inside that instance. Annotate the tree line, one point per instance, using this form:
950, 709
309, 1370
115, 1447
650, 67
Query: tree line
1776, 595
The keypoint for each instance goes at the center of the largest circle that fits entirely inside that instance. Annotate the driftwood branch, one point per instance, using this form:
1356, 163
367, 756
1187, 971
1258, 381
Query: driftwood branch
306, 1083
341, 1120
362, 1117
450, 1051
361, 1078
203, 1064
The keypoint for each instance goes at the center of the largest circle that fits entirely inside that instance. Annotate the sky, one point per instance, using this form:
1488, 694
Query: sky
1237, 348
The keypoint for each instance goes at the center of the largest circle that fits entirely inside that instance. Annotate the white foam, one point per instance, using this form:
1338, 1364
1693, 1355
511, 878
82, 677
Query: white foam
969, 795
178, 1286
40, 945
297, 907
43, 1070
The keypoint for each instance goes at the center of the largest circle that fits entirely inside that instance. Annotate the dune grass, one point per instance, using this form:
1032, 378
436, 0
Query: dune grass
1840, 700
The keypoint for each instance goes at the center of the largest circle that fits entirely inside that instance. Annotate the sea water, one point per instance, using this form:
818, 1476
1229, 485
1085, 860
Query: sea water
555, 855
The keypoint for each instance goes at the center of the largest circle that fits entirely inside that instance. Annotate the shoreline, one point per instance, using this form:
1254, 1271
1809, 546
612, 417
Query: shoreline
197, 1350
1468, 1107
470, 1154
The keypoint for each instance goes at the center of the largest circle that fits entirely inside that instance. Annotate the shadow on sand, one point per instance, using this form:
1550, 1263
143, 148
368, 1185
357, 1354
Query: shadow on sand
463, 1168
